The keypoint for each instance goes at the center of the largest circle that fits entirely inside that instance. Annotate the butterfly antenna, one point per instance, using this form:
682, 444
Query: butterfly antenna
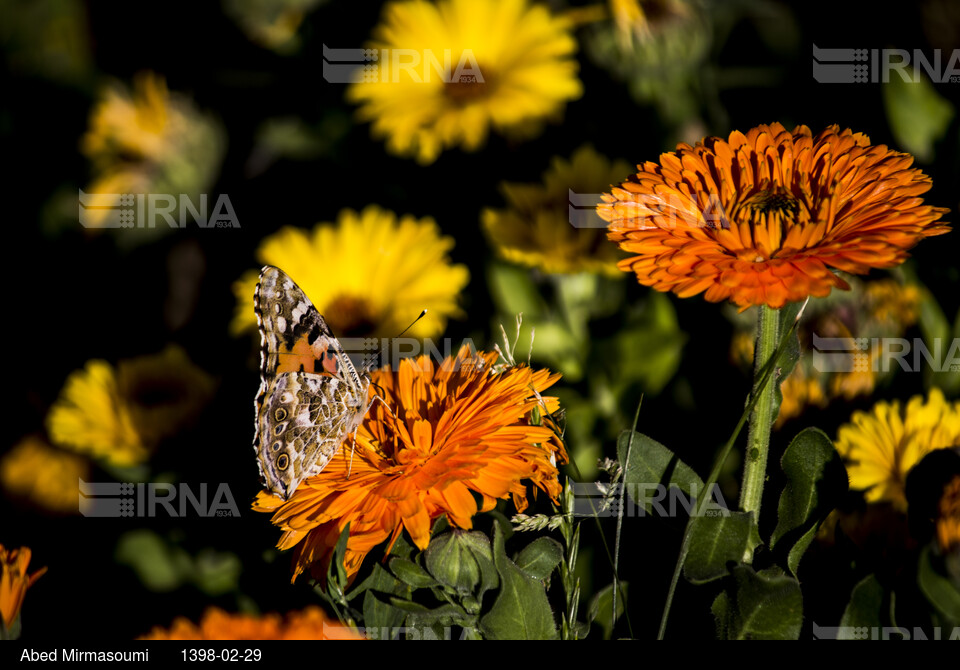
368, 364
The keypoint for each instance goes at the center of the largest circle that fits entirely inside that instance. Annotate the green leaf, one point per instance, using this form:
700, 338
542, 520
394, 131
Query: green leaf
715, 542
539, 558
648, 464
411, 574
939, 590
647, 351
521, 610
816, 482
381, 581
863, 610
336, 562
379, 617
159, 566
918, 116
791, 353
765, 605
451, 562
800, 547
513, 292
436, 624
600, 610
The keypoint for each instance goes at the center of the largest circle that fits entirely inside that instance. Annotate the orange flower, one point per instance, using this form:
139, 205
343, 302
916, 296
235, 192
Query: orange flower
451, 431
762, 217
14, 582
310, 624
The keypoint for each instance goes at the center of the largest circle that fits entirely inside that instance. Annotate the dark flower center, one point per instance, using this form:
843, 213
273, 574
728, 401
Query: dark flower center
349, 316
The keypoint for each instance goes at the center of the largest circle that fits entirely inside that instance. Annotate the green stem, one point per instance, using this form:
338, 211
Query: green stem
758, 441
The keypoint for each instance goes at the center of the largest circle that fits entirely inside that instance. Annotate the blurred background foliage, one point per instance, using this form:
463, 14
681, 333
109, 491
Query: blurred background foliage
244, 111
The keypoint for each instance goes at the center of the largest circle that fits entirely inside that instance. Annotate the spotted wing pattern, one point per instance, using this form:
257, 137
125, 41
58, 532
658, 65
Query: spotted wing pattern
311, 396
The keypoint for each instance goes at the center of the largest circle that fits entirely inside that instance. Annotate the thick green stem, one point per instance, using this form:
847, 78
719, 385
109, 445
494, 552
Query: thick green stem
758, 442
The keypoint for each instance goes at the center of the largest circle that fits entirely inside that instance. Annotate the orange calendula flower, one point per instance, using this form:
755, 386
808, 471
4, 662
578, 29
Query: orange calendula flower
309, 624
762, 218
14, 582
452, 430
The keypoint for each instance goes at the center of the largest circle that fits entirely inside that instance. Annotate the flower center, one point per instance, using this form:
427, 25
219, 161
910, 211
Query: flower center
770, 211
349, 316
468, 85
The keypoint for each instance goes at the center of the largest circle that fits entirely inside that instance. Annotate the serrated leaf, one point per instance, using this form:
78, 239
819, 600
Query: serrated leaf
539, 558
939, 590
765, 605
816, 482
601, 612
715, 542
412, 574
521, 610
649, 464
864, 608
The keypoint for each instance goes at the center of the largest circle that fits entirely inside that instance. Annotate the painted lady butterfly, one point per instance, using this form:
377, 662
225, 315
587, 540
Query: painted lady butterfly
311, 396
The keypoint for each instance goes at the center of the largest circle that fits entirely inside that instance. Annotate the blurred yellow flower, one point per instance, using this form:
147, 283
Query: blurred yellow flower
369, 274
878, 308
120, 415
271, 23
880, 447
148, 140
45, 476
14, 582
541, 230
216, 624
511, 65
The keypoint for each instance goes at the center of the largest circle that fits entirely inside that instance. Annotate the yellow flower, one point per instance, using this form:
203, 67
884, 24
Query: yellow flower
309, 624
456, 439
369, 275
537, 229
880, 447
147, 140
120, 415
511, 66
14, 582
46, 476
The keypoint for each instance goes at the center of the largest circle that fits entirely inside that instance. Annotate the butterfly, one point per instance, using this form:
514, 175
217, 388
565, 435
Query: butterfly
311, 396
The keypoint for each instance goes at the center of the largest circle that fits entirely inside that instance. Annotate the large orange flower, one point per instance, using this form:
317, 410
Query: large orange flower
14, 582
451, 431
310, 624
762, 218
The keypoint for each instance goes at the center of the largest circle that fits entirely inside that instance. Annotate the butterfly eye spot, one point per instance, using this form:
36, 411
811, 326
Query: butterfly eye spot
283, 461
277, 445
281, 414
278, 431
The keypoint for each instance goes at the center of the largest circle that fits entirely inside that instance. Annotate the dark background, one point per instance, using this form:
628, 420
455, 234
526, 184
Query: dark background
72, 298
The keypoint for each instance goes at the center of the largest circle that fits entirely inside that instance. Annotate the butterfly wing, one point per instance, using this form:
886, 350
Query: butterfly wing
310, 395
